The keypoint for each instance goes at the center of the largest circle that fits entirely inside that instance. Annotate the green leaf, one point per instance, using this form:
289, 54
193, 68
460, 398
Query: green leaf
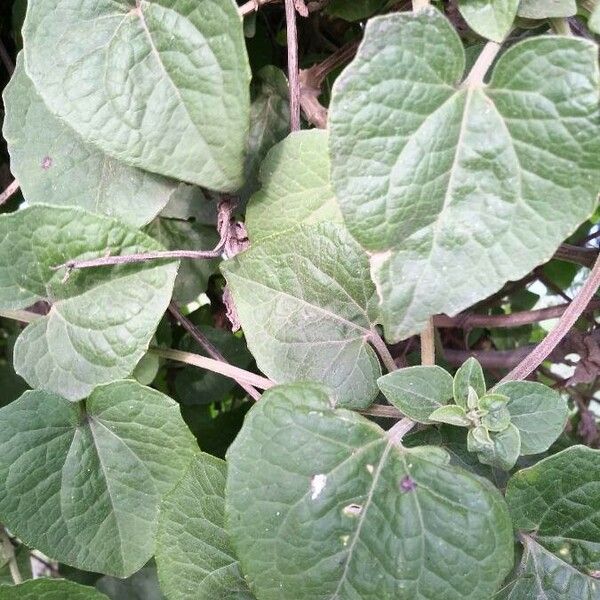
159, 85
451, 414
295, 187
491, 19
54, 166
417, 391
142, 585
538, 412
443, 233
269, 120
49, 589
193, 275
594, 20
542, 9
496, 415
193, 552
557, 500
82, 483
302, 300
543, 575
314, 494
102, 320
504, 449
469, 374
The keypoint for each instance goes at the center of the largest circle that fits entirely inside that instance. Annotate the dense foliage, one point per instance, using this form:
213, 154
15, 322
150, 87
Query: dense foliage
298, 300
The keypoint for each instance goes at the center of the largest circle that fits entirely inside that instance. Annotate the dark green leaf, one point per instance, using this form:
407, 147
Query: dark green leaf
315, 494
102, 320
49, 589
159, 85
302, 299
84, 485
194, 555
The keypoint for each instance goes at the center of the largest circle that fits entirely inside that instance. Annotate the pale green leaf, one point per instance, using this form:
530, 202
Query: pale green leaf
159, 85
451, 414
542, 9
50, 589
417, 391
193, 275
469, 374
538, 412
491, 19
295, 187
554, 506
496, 415
504, 449
269, 120
102, 320
455, 189
321, 503
302, 299
594, 20
54, 166
83, 483
193, 552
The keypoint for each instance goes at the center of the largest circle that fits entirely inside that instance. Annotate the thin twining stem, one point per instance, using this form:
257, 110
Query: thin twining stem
533, 360
382, 350
217, 366
224, 227
253, 6
397, 432
209, 347
9, 553
482, 65
12, 189
292, 64
428, 344
382, 410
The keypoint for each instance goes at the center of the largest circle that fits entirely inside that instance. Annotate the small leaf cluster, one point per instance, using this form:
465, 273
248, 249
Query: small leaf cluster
494, 418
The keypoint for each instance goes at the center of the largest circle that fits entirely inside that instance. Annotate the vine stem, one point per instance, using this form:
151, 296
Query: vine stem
209, 347
382, 350
9, 552
560, 26
382, 410
253, 6
225, 212
216, 366
428, 344
292, 64
482, 65
12, 189
533, 360
24, 316
399, 430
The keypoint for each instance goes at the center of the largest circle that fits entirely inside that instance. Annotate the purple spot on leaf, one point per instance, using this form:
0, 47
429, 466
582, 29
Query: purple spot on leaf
407, 484
46, 163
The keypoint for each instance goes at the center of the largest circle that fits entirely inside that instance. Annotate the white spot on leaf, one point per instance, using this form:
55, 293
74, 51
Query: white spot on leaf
317, 485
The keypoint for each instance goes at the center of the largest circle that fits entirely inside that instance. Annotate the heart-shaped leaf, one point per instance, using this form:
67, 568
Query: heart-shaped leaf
555, 507
447, 231
295, 187
101, 320
417, 391
82, 483
50, 589
193, 552
314, 494
538, 412
54, 166
159, 85
490, 18
302, 299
